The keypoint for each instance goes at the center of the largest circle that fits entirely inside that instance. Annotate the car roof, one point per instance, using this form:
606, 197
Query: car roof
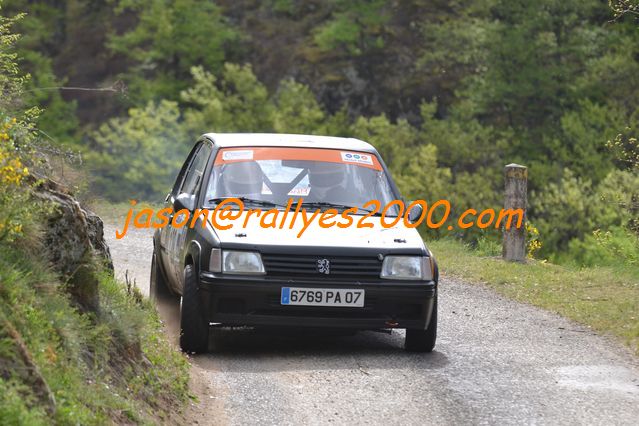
225, 140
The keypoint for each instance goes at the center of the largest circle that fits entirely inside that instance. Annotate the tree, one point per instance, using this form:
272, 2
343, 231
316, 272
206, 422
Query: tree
138, 157
624, 7
169, 38
237, 102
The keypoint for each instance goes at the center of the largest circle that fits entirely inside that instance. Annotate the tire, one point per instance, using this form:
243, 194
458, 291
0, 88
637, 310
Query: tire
158, 287
423, 340
194, 329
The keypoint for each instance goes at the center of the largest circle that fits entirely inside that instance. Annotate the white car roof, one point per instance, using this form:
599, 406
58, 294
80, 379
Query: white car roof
225, 140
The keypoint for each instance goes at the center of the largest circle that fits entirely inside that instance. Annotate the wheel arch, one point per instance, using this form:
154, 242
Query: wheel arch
193, 256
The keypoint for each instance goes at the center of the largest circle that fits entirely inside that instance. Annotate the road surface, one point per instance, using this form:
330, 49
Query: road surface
496, 362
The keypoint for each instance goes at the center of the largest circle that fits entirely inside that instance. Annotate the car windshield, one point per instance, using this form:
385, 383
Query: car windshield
325, 178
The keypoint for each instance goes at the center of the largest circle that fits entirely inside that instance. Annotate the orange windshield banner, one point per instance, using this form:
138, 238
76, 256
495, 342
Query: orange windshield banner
357, 158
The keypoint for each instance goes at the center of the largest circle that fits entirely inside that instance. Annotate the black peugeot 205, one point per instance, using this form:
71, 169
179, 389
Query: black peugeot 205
279, 273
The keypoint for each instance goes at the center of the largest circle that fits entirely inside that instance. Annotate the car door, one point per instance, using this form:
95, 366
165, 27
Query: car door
190, 185
167, 234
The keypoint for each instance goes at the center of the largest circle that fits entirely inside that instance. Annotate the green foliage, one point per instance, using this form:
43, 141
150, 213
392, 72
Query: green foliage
139, 157
340, 31
58, 365
488, 247
533, 61
625, 148
569, 210
612, 77
421, 177
297, 111
533, 241
624, 7
464, 143
57, 119
15, 209
355, 26
11, 80
604, 248
454, 44
132, 323
170, 38
116, 365
237, 102
17, 136
391, 140
582, 133
14, 407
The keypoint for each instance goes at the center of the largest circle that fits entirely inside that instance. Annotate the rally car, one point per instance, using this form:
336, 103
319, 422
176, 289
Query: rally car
271, 270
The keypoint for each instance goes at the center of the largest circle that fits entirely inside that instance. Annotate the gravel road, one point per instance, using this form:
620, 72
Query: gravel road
496, 362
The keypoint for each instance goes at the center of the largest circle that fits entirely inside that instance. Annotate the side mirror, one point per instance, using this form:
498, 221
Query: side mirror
415, 212
184, 201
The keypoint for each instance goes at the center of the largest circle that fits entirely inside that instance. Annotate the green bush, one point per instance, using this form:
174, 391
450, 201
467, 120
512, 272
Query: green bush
614, 247
570, 210
138, 157
168, 39
236, 102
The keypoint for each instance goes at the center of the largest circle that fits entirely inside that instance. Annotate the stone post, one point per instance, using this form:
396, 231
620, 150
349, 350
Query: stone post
515, 197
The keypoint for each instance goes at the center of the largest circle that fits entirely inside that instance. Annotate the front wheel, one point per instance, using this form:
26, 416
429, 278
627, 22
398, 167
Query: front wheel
194, 328
423, 340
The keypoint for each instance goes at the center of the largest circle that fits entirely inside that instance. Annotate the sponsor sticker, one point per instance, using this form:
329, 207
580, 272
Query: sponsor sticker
237, 155
351, 157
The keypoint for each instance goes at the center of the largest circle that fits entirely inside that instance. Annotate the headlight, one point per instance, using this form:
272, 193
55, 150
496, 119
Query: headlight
407, 268
242, 262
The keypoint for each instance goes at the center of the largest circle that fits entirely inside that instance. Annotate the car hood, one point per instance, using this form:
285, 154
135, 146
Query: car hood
398, 237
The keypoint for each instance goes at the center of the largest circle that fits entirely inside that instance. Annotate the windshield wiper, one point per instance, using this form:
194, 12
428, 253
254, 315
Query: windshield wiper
248, 200
320, 204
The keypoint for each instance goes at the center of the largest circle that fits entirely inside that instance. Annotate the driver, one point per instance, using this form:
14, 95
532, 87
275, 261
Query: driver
328, 182
242, 179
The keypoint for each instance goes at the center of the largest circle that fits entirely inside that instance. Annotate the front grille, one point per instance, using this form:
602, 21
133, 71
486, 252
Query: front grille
305, 266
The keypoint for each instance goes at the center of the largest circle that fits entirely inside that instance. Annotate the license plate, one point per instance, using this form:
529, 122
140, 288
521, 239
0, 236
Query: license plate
322, 297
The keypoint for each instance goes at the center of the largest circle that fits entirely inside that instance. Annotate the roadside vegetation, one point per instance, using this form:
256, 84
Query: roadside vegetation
58, 365
604, 298
60, 362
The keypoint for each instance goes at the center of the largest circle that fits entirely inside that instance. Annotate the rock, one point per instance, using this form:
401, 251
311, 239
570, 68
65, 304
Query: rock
96, 236
74, 244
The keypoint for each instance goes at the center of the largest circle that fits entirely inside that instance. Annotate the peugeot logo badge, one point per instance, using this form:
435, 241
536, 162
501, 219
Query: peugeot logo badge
323, 266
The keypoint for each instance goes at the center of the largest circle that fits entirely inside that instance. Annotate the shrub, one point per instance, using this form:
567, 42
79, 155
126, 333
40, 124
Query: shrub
138, 157
613, 247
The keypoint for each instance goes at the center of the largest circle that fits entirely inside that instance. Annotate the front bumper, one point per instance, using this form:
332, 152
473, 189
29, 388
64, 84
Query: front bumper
255, 301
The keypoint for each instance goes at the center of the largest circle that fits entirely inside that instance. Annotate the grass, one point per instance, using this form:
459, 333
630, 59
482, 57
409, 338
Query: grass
60, 366
604, 298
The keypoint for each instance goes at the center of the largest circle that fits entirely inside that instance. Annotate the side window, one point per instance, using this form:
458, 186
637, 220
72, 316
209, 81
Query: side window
185, 167
196, 170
